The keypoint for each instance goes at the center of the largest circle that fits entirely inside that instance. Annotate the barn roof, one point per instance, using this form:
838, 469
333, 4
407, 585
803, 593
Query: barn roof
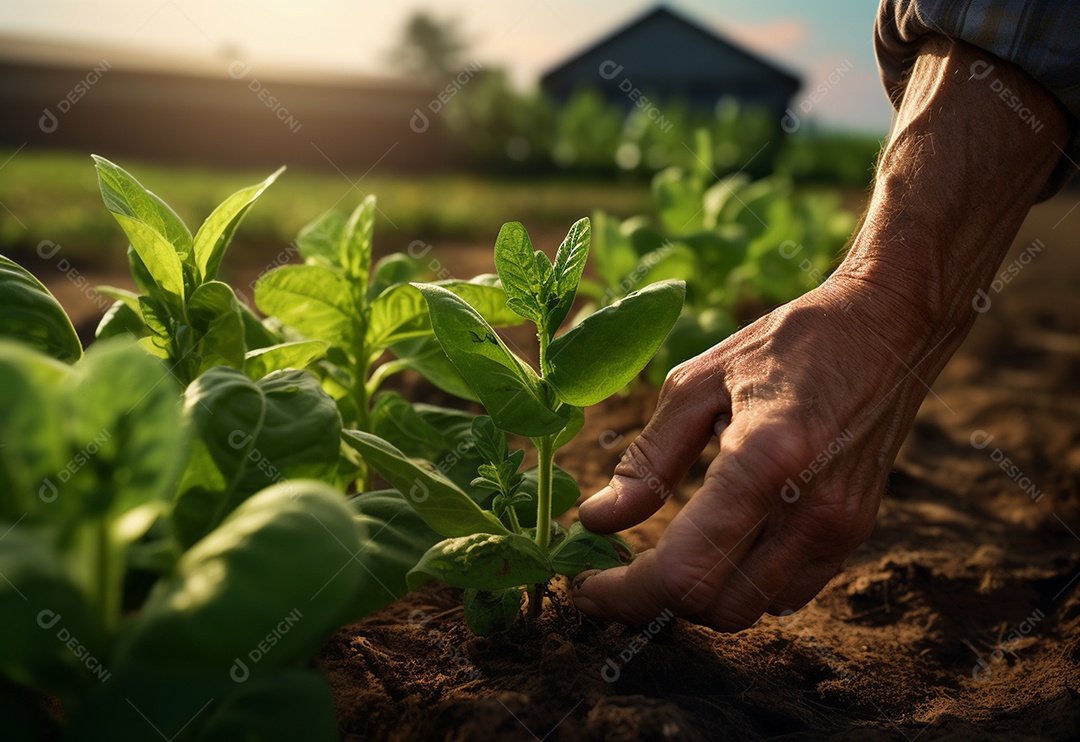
661, 11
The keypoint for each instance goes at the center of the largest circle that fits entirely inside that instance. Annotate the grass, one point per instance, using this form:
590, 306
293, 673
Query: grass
53, 195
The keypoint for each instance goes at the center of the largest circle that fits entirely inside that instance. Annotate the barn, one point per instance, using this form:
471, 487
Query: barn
664, 55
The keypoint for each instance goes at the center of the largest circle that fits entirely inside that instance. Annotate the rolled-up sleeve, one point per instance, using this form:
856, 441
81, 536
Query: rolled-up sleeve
1041, 37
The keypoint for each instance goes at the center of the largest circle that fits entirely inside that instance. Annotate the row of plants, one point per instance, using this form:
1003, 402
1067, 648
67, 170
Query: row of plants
193, 504
741, 246
187, 506
504, 130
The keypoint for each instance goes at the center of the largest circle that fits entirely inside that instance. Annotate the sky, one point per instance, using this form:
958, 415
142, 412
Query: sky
828, 42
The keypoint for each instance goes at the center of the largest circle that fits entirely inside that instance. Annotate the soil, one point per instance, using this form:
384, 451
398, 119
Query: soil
959, 619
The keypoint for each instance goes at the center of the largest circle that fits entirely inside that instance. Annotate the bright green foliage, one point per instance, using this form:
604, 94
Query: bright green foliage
741, 246
336, 297
182, 314
250, 435
198, 639
28, 312
178, 540
500, 536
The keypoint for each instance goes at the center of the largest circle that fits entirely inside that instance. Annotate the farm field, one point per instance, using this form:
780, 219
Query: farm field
964, 568
959, 619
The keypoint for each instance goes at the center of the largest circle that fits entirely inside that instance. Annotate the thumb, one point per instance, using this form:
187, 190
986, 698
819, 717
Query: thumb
658, 459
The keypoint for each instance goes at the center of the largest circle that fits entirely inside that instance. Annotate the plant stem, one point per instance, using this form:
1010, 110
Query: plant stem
382, 373
545, 450
536, 601
542, 336
511, 515
105, 585
363, 414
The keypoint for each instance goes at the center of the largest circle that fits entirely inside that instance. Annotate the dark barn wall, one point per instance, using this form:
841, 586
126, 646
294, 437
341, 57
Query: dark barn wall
240, 121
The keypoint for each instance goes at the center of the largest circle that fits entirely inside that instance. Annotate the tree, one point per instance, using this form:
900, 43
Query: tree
429, 46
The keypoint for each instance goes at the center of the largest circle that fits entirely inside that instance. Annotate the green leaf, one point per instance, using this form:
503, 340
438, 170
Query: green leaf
569, 265
399, 313
256, 334
573, 427
319, 241
492, 611
612, 251
30, 314
692, 335
250, 435
299, 355
158, 236
357, 243
214, 314
32, 443
442, 505
394, 420
159, 339
121, 319
40, 608
124, 421
490, 442
293, 704
564, 493
313, 299
606, 351
518, 270
678, 200
399, 537
390, 270
217, 231
485, 294
260, 593
484, 561
509, 389
582, 550
426, 356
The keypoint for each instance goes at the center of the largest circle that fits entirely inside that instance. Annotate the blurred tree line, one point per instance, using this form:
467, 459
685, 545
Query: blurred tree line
505, 131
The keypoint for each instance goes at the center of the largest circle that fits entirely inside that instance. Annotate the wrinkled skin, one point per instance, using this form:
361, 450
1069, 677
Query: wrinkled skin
812, 402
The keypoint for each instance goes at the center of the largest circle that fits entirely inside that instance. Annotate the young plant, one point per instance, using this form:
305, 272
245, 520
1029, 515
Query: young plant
362, 312
740, 245
492, 553
119, 618
182, 313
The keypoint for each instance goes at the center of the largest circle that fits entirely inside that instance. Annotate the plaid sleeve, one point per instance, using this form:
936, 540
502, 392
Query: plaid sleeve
1041, 37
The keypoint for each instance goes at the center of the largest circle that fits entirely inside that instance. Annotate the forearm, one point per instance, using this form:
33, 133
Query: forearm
960, 171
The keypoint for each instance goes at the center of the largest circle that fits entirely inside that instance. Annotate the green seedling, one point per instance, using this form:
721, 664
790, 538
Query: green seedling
151, 557
363, 311
182, 313
492, 553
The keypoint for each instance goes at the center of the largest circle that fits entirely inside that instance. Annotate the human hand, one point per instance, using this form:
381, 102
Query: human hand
812, 402
810, 405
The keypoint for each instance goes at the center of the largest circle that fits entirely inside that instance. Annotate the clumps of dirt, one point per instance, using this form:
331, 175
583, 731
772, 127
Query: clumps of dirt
958, 620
